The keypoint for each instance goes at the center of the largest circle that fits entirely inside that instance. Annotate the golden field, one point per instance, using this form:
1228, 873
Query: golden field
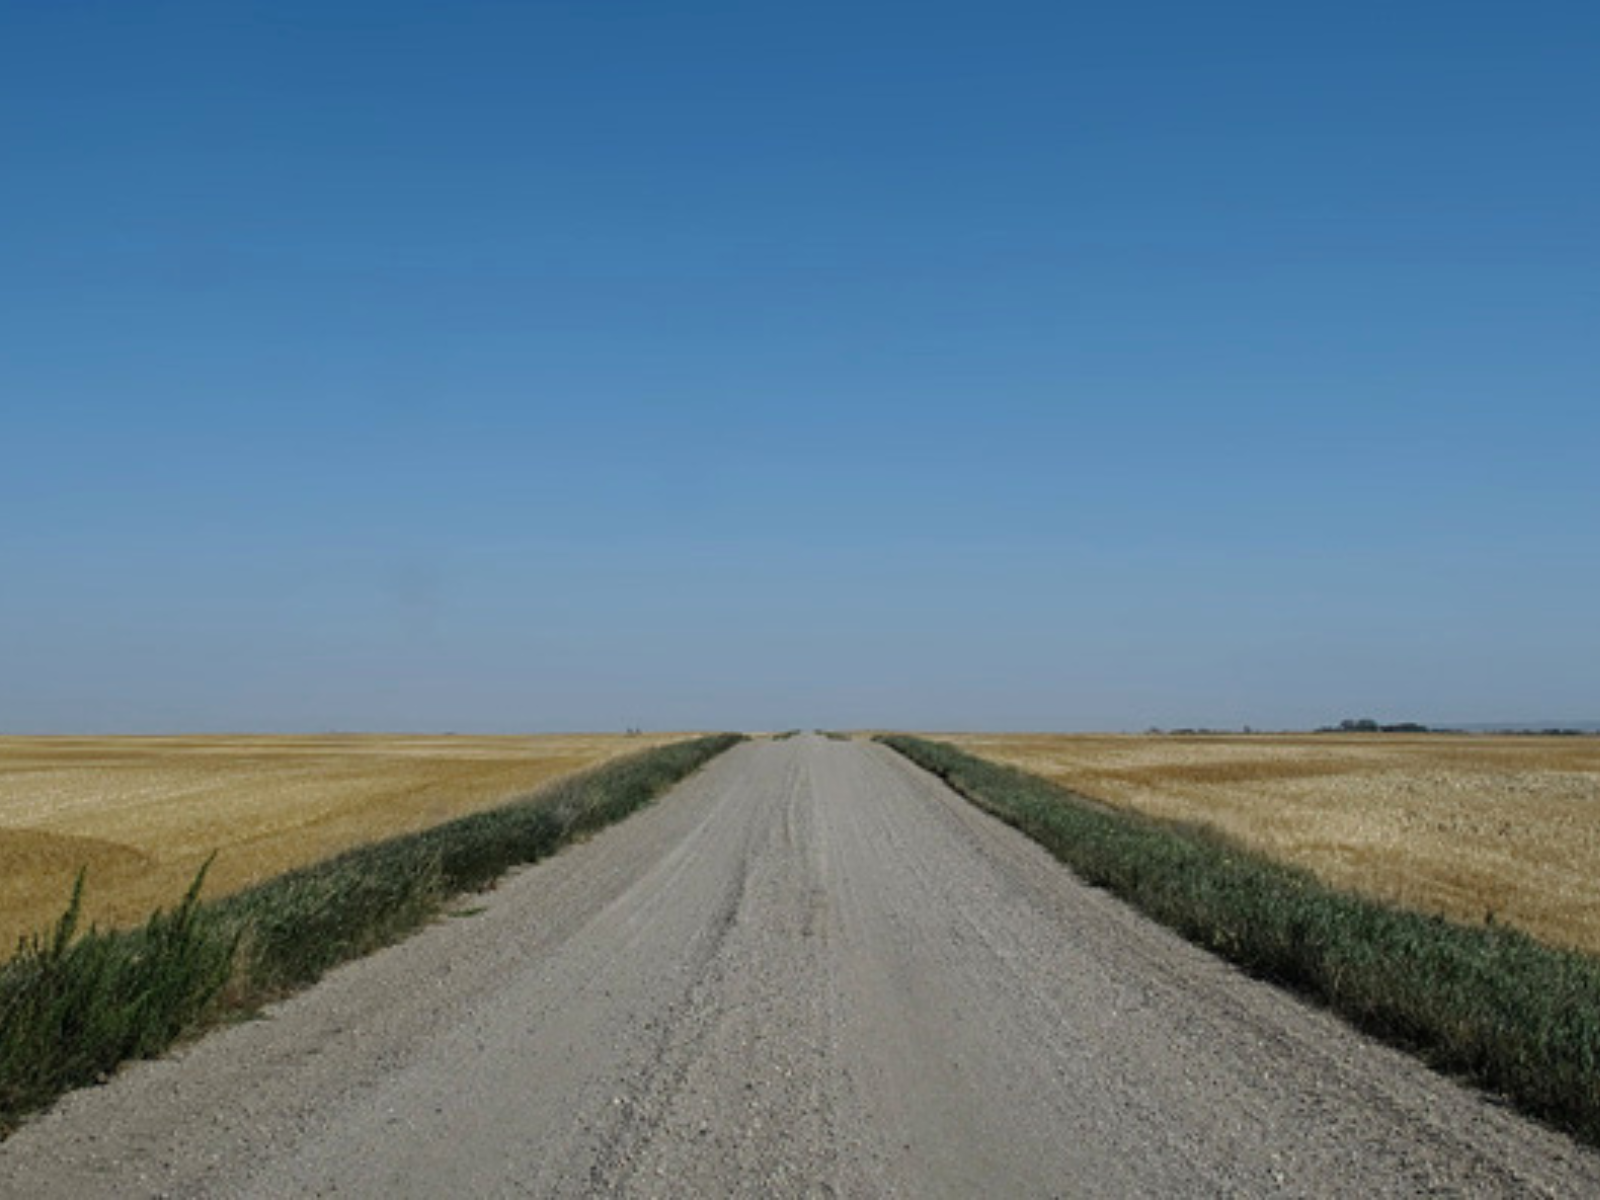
143, 813
1471, 827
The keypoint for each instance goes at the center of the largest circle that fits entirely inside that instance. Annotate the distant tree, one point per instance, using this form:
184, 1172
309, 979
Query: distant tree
1358, 725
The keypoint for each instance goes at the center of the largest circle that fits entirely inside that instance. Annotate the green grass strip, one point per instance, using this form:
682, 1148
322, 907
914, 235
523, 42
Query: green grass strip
1491, 1005
73, 1005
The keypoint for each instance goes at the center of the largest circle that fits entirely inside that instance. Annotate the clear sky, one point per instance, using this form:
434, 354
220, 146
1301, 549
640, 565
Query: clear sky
535, 366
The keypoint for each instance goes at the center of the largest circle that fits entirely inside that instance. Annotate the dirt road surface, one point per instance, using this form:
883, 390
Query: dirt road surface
811, 970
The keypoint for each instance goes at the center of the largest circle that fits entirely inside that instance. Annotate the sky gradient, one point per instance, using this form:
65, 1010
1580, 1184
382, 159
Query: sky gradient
495, 366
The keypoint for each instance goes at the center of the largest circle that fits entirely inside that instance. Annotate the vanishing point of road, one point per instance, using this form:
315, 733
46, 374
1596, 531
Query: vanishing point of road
810, 970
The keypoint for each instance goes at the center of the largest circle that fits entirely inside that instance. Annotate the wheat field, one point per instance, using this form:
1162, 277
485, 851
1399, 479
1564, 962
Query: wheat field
142, 814
1473, 828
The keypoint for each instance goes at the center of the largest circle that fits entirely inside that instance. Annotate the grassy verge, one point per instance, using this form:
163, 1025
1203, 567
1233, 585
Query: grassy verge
73, 1005
1489, 1004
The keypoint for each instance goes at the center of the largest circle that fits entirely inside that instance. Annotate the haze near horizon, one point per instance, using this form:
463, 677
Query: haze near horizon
553, 367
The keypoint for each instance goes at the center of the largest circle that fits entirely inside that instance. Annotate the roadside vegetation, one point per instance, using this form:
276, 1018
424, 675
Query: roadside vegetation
74, 1004
1487, 1003
1481, 829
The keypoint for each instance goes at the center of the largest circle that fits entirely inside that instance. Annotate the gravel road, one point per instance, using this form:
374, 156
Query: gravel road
810, 970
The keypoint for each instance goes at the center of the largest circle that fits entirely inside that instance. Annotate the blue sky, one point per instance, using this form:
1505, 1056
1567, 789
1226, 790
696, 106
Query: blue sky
584, 365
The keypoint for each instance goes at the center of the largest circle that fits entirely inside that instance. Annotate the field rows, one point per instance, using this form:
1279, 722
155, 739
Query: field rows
1503, 829
143, 813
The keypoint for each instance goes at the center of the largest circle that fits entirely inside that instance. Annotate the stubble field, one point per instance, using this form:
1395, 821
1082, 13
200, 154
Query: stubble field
1474, 828
143, 813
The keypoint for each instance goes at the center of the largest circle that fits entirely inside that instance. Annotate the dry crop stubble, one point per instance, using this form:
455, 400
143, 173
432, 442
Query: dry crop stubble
141, 814
1474, 828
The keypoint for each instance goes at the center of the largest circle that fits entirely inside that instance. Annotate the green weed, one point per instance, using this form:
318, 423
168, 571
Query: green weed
1489, 1004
